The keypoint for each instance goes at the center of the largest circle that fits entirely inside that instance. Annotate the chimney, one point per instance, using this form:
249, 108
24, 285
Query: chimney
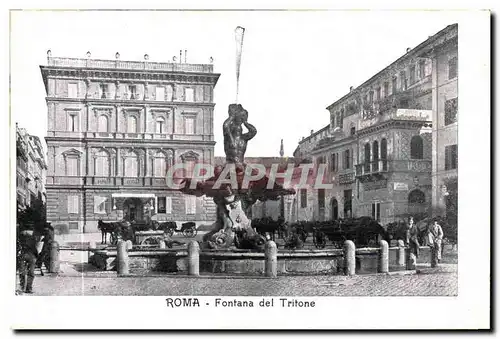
185, 56
312, 131
350, 89
408, 49
180, 59
282, 151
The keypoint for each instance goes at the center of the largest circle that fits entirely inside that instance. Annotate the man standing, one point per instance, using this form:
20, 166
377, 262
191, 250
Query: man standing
27, 259
435, 239
413, 244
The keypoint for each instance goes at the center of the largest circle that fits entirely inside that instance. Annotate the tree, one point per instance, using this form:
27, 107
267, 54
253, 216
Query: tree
35, 215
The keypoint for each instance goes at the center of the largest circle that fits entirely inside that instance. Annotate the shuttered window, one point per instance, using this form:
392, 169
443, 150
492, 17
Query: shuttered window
100, 204
190, 204
73, 204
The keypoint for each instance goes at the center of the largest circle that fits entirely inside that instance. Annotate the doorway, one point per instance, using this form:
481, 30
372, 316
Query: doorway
133, 209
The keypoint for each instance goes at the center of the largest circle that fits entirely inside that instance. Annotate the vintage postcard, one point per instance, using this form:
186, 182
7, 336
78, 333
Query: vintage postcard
249, 169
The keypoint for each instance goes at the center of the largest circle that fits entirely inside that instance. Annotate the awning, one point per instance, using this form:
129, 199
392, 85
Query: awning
132, 195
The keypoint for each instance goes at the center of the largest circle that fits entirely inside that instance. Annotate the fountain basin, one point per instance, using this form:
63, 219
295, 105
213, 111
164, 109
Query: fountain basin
244, 262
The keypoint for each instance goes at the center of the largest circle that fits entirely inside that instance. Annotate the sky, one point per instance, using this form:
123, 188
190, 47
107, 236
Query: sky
294, 63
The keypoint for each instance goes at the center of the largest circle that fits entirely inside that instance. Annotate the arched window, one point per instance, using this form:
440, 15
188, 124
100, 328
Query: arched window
160, 125
132, 124
353, 130
383, 153
367, 157
375, 155
102, 164
131, 164
102, 123
335, 209
416, 197
160, 165
417, 147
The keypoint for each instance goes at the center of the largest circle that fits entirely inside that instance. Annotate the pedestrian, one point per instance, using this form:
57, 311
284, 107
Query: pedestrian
436, 238
27, 259
413, 244
44, 256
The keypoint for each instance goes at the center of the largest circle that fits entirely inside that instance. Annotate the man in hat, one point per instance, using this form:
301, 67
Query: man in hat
27, 259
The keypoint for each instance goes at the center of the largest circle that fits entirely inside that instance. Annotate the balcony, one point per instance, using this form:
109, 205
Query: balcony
346, 177
129, 65
377, 169
400, 114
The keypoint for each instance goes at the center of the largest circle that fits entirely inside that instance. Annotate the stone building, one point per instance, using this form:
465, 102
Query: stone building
114, 129
31, 169
379, 149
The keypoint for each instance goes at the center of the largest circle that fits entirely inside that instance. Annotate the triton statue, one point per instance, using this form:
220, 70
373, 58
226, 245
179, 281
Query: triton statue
235, 141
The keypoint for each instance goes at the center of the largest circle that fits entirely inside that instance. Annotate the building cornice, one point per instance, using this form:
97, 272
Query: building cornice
405, 124
128, 102
94, 142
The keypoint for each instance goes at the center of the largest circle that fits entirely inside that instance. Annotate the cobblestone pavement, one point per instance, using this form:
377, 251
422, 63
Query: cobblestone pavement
429, 282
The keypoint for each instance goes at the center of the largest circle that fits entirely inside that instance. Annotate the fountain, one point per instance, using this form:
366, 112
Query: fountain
234, 200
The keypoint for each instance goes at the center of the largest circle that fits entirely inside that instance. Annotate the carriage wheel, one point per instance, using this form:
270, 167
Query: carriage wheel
319, 239
170, 231
151, 241
303, 235
190, 232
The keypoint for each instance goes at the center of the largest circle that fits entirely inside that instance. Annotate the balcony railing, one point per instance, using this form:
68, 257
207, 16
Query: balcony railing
397, 114
130, 65
382, 166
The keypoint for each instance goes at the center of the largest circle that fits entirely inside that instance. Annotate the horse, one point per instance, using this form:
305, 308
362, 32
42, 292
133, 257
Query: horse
268, 225
363, 231
107, 228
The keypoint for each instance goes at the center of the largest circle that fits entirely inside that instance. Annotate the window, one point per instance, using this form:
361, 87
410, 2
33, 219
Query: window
133, 91
102, 123
102, 164
160, 93
421, 66
190, 204
417, 147
131, 165
341, 119
347, 203
169, 205
73, 204
451, 157
321, 198
452, 68
386, 89
375, 156
73, 225
333, 162
72, 90
403, 83
371, 97
404, 103
160, 165
412, 74
376, 211
367, 157
162, 205
383, 153
72, 123
379, 93
303, 198
353, 130
394, 85
347, 159
132, 124
189, 94
450, 111
100, 204
188, 168
416, 197
72, 166
104, 91
170, 93
160, 125
189, 125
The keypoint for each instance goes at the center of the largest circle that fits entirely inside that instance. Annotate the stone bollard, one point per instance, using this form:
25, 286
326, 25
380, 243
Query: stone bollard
194, 258
411, 260
271, 259
349, 258
383, 257
130, 245
162, 244
92, 248
54, 257
401, 253
122, 263
434, 256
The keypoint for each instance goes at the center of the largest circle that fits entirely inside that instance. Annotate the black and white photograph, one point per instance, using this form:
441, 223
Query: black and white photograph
269, 167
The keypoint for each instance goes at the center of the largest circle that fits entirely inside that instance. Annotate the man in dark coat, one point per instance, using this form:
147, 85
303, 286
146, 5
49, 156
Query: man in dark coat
44, 256
27, 259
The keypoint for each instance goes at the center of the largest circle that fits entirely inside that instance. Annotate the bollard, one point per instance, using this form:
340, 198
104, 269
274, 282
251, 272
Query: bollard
194, 258
349, 258
411, 260
162, 244
130, 245
271, 259
54, 257
434, 256
122, 264
383, 257
401, 253
92, 248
